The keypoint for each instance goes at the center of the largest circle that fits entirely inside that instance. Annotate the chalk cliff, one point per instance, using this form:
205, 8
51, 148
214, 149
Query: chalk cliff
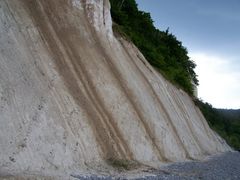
73, 94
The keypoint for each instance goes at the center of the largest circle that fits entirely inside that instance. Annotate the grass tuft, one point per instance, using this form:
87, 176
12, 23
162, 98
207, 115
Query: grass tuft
122, 164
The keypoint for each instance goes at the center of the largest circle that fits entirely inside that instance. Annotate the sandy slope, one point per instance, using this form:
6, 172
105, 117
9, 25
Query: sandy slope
73, 95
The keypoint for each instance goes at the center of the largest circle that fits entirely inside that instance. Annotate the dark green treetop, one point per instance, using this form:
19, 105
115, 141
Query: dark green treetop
161, 48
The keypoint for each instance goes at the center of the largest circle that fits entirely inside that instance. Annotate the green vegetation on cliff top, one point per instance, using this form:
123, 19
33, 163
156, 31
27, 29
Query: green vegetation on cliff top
161, 48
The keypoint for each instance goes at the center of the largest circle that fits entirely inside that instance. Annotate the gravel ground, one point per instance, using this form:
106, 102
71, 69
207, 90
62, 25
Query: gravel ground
221, 167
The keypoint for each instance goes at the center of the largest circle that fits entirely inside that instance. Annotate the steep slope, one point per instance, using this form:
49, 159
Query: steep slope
73, 95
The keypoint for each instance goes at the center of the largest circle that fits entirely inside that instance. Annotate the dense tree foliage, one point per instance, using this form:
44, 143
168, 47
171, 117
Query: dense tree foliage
160, 48
225, 122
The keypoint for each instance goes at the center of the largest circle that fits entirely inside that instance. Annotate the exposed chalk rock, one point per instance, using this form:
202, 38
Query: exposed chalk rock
72, 95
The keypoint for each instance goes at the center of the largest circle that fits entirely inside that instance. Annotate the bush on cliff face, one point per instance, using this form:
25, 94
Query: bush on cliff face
161, 48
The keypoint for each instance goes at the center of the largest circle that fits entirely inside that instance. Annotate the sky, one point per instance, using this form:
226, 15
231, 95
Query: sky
210, 30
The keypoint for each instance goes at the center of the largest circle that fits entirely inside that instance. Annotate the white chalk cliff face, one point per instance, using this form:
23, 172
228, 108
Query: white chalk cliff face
72, 95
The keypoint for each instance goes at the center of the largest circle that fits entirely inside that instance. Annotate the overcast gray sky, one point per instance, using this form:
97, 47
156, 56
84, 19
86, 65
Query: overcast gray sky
210, 29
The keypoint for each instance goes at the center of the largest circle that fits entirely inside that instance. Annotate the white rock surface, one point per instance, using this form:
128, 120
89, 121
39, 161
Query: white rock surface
72, 95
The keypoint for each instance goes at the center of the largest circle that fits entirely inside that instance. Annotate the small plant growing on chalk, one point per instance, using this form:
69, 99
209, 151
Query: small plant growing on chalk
122, 164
